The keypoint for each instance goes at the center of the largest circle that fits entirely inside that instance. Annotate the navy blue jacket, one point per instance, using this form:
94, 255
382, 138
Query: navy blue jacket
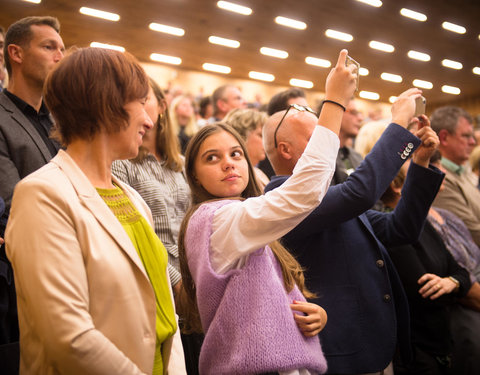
341, 246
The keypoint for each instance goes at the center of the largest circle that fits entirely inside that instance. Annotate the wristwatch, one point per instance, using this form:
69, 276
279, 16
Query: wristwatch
457, 283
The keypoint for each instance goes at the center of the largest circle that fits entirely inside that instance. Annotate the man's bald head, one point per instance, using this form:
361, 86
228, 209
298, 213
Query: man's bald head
292, 138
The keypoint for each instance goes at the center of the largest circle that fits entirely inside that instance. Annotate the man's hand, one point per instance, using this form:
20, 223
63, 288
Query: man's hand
435, 286
313, 321
404, 107
429, 144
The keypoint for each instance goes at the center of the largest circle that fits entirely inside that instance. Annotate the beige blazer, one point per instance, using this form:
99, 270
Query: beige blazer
85, 303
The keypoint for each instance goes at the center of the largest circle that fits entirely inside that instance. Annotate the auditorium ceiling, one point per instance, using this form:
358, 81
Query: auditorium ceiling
201, 19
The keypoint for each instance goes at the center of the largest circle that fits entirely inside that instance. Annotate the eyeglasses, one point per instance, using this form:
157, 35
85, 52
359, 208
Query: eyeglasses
298, 107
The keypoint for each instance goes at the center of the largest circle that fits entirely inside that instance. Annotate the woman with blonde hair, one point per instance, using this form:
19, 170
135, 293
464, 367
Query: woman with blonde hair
183, 119
157, 175
249, 123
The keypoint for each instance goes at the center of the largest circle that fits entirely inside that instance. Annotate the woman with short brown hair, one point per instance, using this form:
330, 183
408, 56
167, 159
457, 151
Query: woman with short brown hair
92, 285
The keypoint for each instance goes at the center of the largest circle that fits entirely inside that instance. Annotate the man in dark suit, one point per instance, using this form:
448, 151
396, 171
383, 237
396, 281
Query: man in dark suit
348, 159
341, 244
32, 48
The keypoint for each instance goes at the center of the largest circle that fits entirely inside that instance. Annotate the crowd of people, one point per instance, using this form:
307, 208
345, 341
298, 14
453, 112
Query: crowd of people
149, 232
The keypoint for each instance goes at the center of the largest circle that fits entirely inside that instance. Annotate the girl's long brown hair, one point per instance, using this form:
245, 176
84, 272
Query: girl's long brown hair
291, 270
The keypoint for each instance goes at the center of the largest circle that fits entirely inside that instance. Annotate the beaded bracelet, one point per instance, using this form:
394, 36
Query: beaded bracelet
337, 103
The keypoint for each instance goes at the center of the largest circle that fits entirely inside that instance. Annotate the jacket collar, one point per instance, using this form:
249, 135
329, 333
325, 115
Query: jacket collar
89, 197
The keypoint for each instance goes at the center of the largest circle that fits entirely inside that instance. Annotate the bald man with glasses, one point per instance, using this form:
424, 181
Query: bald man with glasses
341, 244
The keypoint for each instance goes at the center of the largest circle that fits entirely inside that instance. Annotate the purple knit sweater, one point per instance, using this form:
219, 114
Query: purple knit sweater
245, 313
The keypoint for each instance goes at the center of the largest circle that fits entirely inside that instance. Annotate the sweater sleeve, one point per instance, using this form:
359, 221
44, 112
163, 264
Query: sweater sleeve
245, 226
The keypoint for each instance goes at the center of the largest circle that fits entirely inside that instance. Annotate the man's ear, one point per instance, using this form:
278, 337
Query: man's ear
285, 150
15, 53
443, 136
396, 188
222, 105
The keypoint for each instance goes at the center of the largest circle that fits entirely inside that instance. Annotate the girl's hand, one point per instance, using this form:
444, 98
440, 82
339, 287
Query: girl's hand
341, 81
435, 286
313, 321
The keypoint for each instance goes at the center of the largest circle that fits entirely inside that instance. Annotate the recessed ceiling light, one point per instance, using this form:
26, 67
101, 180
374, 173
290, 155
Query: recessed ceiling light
381, 46
413, 15
392, 99
422, 84
33, 1
232, 7
224, 42
451, 90
318, 62
369, 95
476, 70
291, 23
418, 55
107, 46
165, 58
373, 3
391, 77
301, 83
217, 68
99, 13
261, 76
166, 29
338, 35
363, 71
455, 28
452, 64
274, 52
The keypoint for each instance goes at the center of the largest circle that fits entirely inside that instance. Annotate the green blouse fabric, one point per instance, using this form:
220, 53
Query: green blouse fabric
154, 258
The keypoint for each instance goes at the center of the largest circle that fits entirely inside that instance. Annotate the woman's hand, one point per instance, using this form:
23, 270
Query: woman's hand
341, 81
313, 321
435, 286
404, 107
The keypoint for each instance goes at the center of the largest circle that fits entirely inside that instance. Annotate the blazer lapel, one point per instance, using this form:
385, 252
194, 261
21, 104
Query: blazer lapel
95, 204
25, 123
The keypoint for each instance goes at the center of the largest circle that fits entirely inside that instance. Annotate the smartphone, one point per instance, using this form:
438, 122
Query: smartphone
350, 61
420, 104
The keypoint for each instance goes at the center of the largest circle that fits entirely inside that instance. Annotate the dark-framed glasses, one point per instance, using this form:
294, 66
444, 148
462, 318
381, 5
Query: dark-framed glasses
298, 107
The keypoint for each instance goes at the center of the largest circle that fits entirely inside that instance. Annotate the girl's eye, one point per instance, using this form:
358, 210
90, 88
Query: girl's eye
237, 153
211, 157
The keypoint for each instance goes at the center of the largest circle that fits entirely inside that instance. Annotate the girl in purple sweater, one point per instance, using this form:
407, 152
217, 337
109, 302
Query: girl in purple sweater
242, 288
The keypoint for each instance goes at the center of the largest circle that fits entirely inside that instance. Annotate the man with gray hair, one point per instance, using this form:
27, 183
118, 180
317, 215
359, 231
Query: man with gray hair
454, 127
32, 48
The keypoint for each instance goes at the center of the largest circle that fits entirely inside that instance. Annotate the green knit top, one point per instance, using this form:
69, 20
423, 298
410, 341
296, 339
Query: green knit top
154, 258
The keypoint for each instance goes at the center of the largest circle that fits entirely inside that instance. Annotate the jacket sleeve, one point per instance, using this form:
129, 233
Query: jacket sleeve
10, 177
406, 222
365, 186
